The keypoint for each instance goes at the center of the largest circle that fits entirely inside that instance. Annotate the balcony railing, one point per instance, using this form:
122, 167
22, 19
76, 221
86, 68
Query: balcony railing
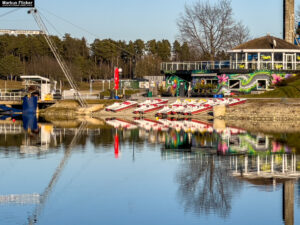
210, 65
203, 65
11, 96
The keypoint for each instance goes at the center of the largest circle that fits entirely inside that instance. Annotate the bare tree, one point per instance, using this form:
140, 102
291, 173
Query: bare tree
211, 28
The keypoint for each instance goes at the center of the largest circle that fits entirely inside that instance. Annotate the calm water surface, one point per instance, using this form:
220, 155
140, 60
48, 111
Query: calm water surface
145, 172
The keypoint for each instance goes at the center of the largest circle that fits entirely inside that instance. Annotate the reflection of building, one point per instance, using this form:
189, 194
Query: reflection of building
37, 137
20, 199
275, 166
243, 143
260, 170
209, 138
10, 128
180, 141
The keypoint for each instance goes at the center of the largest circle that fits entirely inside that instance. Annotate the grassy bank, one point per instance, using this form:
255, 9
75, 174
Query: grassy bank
73, 104
289, 88
10, 84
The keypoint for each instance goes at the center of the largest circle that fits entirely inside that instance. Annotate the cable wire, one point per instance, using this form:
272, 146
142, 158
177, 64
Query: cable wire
9, 12
85, 30
54, 28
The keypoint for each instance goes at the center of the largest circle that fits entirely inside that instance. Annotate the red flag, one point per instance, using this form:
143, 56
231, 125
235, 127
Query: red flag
116, 78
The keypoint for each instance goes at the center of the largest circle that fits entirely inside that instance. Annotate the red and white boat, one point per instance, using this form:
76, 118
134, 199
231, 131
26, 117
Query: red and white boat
173, 106
150, 105
120, 106
196, 109
154, 101
148, 108
179, 106
164, 111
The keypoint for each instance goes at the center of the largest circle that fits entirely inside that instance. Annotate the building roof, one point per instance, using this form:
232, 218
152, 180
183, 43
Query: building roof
267, 42
36, 78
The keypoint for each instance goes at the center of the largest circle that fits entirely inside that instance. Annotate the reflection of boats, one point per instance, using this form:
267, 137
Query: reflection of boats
120, 123
149, 124
187, 125
120, 106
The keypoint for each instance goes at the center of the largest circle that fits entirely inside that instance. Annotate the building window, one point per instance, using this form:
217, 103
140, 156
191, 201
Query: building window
213, 82
252, 57
266, 57
261, 84
278, 57
234, 84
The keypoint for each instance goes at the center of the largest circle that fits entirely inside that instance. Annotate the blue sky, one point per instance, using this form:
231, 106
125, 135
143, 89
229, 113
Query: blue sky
133, 19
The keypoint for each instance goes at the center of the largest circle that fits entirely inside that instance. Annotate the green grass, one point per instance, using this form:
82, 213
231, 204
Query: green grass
127, 92
291, 89
91, 101
291, 140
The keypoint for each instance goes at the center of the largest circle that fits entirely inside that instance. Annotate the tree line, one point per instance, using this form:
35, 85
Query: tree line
206, 31
30, 54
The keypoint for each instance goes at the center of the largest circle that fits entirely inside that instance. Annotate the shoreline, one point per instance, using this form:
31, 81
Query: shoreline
267, 110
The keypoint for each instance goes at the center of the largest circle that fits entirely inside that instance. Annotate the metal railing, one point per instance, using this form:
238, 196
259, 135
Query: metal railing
265, 65
241, 64
202, 65
10, 129
11, 96
83, 96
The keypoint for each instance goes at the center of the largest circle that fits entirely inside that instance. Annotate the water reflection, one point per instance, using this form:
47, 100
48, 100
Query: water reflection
215, 161
206, 185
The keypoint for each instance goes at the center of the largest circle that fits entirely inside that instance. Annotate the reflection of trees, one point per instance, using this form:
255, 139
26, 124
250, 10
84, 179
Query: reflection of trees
11, 140
206, 186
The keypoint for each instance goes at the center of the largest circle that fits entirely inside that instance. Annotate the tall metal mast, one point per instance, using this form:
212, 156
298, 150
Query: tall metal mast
59, 59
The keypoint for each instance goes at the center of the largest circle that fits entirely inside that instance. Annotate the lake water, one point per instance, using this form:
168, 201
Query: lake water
145, 172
